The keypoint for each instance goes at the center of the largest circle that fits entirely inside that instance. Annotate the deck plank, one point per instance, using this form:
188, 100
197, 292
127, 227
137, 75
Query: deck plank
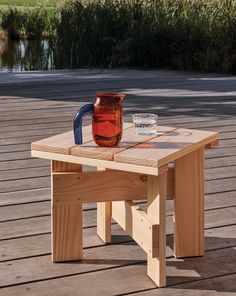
39, 105
39, 244
205, 269
41, 224
29, 172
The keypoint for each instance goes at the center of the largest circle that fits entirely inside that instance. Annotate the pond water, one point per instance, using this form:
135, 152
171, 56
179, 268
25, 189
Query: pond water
26, 55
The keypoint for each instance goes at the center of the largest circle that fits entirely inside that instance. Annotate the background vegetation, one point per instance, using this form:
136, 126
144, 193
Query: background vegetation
183, 34
27, 3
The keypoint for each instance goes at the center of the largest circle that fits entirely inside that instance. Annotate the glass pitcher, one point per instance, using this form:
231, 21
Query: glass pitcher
107, 119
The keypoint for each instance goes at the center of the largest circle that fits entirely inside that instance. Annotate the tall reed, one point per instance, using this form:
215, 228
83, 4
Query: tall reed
180, 34
31, 23
183, 34
13, 21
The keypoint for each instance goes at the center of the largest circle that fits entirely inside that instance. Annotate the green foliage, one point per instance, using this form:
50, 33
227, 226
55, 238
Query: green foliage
34, 23
28, 3
13, 22
183, 34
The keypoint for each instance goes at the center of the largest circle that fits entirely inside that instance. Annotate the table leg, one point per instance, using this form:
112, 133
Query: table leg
104, 219
156, 266
66, 222
189, 205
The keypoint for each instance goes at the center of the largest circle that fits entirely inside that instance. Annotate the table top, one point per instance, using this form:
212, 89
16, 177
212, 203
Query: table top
135, 153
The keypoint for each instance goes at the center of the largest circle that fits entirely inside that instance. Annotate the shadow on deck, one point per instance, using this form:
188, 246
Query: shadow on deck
37, 105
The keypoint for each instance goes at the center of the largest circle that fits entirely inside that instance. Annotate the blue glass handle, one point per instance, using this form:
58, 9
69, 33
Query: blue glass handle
78, 120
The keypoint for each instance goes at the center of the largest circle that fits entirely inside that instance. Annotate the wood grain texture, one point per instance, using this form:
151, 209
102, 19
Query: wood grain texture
189, 100
97, 162
67, 232
35, 234
41, 225
104, 219
134, 281
212, 144
61, 143
137, 224
60, 166
37, 245
189, 205
166, 148
170, 183
92, 150
98, 186
41, 267
40, 133
66, 224
156, 266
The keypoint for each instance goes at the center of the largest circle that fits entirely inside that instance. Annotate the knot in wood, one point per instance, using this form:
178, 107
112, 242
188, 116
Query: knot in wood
143, 178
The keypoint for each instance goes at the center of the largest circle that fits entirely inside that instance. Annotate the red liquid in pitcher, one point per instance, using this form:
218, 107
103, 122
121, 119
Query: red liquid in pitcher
107, 121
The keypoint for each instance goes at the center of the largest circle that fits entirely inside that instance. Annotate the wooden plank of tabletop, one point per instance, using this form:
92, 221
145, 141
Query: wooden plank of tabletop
129, 139
62, 143
168, 147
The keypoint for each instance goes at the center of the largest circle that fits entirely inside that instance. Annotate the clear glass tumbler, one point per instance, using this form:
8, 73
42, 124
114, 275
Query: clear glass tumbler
145, 123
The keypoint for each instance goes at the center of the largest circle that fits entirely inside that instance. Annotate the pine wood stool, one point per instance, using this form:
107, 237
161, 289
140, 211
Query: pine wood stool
169, 164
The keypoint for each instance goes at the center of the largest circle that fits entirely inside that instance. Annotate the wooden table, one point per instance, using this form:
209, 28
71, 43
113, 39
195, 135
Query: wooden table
167, 165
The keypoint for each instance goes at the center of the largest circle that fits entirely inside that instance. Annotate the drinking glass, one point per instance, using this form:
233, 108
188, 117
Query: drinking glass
145, 123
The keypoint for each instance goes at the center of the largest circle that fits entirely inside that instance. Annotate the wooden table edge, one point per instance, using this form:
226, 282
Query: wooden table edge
202, 144
107, 164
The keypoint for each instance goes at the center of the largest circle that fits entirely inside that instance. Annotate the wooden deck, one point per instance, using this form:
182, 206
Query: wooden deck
40, 104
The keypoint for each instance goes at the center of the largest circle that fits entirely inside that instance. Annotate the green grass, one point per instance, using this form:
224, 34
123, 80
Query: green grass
26, 2
20, 4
